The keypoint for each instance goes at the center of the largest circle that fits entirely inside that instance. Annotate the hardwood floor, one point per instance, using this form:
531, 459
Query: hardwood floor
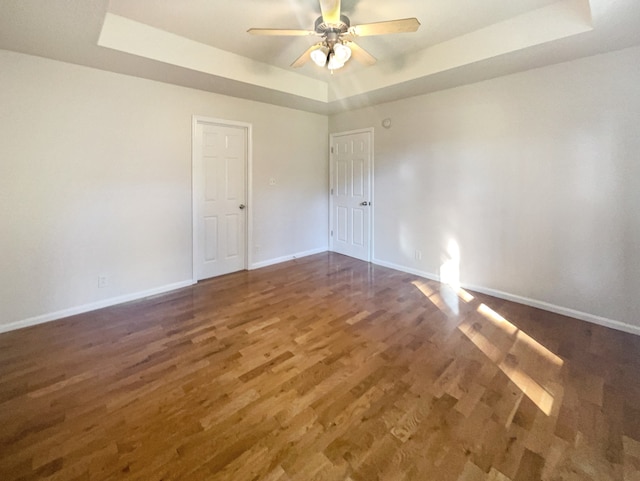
324, 368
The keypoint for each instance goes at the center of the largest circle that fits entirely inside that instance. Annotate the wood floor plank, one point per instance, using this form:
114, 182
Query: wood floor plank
323, 368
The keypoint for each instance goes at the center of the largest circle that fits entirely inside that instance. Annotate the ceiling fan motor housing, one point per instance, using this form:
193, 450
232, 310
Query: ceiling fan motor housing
323, 28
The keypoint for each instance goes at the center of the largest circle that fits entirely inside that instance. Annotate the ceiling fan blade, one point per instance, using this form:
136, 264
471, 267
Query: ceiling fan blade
330, 11
280, 32
305, 57
360, 54
381, 28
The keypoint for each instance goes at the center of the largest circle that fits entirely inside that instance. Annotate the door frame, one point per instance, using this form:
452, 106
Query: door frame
370, 131
196, 178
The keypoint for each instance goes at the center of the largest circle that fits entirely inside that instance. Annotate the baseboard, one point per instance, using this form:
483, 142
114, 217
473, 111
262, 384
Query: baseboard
408, 270
53, 316
565, 311
278, 260
546, 306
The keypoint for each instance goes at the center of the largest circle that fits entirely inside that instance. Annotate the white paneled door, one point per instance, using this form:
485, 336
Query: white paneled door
220, 214
351, 193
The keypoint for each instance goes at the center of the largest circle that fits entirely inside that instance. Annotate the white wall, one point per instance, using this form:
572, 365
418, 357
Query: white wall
95, 178
535, 176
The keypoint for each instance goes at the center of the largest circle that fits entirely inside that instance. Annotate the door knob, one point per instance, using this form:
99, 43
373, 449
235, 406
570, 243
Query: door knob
242, 206
365, 203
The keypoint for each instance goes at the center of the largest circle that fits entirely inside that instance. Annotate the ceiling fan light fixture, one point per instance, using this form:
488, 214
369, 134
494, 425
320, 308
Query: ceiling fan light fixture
342, 52
334, 62
319, 56
337, 46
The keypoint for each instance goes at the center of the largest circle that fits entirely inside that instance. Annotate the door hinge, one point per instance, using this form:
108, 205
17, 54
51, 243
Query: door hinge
332, 149
331, 191
331, 233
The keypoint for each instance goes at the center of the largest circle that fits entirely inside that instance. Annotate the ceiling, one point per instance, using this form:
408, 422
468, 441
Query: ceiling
203, 43
201, 20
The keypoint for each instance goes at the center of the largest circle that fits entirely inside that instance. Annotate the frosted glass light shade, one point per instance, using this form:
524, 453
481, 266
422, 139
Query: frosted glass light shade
334, 62
319, 57
342, 52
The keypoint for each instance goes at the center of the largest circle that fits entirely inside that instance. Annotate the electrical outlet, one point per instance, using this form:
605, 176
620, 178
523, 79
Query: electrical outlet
418, 255
272, 181
103, 281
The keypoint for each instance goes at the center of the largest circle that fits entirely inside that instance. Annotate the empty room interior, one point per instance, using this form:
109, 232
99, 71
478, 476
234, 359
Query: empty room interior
296, 240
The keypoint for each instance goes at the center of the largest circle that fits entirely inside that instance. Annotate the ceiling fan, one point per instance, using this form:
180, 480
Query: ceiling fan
337, 36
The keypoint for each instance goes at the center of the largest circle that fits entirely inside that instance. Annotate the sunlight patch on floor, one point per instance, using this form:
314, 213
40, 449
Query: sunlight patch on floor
443, 300
509, 328
512, 350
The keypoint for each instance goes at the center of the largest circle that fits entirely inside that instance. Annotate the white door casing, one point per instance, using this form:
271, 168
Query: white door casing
352, 193
221, 153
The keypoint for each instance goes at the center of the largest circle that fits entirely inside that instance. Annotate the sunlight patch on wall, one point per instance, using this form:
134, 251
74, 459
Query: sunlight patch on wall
450, 268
